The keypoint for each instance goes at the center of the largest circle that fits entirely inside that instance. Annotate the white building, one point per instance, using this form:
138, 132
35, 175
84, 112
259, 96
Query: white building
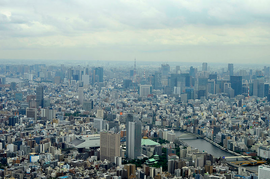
85, 80
264, 172
145, 90
99, 124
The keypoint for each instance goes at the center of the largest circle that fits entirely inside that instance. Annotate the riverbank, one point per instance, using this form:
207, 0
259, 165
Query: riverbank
207, 145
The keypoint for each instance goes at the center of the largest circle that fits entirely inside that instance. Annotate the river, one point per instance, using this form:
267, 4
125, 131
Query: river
205, 146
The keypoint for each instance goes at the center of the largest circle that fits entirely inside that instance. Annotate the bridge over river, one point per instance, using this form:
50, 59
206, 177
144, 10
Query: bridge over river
189, 136
197, 141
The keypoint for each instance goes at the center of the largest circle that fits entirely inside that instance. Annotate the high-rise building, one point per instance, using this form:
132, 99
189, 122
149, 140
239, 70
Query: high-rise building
134, 132
85, 80
264, 172
192, 71
81, 96
202, 87
127, 83
177, 70
236, 84
156, 80
48, 114
13, 120
99, 73
31, 113
145, 90
230, 69
109, 146
266, 89
88, 105
39, 96
165, 70
211, 88
99, 124
204, 67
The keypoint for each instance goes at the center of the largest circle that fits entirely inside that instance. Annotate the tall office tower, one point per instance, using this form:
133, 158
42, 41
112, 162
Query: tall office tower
165, 70
99, 73
39, 96
109, 146
261, 90
236, 84
177, 70
202, 87
81, 95
255, 88
211, 88
204, 67
266, 89
230, 69
192, 71
134, 132
99, 124
157, 80
85, 80
145, 90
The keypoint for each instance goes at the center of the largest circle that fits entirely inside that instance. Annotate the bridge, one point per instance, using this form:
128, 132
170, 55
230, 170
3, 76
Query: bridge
189, 136
241, 156
248, 163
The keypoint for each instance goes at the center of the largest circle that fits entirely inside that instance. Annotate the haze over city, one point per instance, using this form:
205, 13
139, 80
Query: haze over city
134, 89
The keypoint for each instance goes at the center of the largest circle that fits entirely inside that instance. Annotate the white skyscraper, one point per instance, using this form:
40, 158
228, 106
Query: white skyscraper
85, 80
134, 132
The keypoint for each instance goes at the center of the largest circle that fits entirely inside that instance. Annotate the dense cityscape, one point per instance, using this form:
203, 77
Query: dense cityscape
138, 121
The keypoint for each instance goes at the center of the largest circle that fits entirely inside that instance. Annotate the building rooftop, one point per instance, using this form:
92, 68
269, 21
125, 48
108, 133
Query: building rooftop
148, 142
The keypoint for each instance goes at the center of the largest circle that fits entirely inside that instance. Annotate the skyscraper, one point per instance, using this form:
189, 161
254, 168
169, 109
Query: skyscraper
109, 146
80, 93
99, 124
134, 132
145, 90
85, 80
202, 87
177, 70
165, 70
99, 73
204, 67
230, 69
236, 84
192, 71
39, 96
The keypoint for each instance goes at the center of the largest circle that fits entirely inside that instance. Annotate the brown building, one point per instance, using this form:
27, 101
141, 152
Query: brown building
109, 146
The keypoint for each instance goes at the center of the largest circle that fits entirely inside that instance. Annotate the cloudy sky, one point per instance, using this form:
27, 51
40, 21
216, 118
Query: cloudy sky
235, 31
